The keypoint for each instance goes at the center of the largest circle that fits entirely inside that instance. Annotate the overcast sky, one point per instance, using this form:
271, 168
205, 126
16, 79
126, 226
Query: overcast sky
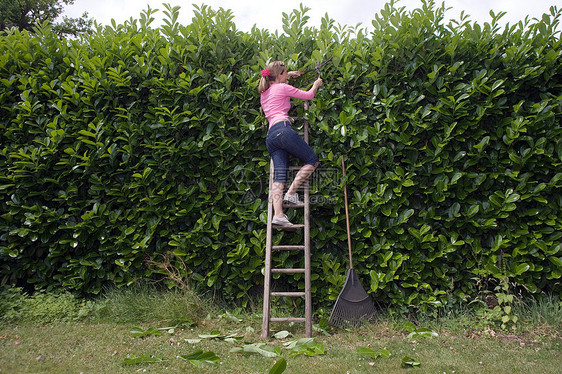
268, 14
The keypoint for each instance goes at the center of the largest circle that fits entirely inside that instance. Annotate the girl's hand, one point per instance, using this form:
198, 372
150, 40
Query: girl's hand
294, 74
318, 82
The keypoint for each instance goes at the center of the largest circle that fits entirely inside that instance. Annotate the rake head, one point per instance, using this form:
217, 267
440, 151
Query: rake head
353, 305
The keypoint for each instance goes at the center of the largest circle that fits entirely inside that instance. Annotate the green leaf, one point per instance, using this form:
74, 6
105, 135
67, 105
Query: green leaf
308, 348
256, 348
140, 333
371, 353
200, 358
215, 334
405, 215
521, 268
554, 180
456, 177
473, 210
87, 133
483, 143
293, 343
408, 326
555, 260
454, 211
512, 198
281, 334
279, 367
410, 362
422, 333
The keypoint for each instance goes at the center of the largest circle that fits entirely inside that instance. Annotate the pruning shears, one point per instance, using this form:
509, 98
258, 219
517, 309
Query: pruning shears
319, 65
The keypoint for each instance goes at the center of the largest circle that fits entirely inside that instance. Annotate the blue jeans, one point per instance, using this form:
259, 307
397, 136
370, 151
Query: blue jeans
282, 141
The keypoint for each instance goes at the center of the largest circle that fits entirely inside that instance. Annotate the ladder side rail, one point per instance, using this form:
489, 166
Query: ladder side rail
307, 266
267, 272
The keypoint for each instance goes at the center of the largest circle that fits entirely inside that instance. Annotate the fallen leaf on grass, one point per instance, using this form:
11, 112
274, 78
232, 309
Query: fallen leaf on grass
137, 332
422, 332
279, 367
293, 343
304, 346
282, 334
213, 335
371, 353
259, 348
232, 338
409, 362
230, 317
200, 358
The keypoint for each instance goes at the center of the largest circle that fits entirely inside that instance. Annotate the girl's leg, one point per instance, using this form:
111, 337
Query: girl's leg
301, 176
277, 196
280, 166
299, 148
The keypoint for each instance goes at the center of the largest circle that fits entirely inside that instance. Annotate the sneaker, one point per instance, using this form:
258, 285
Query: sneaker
281, 221
292, 199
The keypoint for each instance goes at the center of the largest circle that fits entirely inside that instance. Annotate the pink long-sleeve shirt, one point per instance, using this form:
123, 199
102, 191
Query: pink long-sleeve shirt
276, 101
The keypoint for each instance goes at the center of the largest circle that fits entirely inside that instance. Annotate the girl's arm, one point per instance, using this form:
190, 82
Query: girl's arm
303, 95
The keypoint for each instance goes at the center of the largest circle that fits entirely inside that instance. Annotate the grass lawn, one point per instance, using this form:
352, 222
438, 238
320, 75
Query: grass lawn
103, 341
101, 348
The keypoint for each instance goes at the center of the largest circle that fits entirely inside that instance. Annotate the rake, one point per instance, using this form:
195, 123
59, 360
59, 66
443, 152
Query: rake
353, 305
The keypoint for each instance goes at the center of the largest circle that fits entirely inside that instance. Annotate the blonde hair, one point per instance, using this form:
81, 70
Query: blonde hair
275, 68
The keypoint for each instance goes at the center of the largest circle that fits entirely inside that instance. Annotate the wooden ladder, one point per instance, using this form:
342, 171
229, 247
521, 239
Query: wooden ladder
305, 248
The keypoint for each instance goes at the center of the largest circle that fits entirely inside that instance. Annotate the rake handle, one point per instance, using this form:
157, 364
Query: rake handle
347, 216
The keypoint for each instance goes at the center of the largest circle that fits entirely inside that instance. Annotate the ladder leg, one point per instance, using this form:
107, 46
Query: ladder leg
307, 267
307, 274
267, 273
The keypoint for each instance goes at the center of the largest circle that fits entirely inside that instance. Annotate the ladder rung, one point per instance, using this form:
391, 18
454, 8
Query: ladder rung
290, 319
287, 294
288, 271
289, 228
301, 133
291, 205
295, 167
288, 247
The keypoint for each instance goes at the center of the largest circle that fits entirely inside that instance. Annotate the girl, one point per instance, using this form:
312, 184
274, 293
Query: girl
282, 140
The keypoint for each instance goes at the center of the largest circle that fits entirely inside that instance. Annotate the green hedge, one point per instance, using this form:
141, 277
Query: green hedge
136, 141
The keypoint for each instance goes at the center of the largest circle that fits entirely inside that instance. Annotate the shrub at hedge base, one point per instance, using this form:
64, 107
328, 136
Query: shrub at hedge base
136, 141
